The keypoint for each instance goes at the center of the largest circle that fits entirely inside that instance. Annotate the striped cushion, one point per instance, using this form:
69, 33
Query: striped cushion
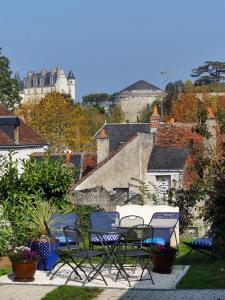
105, 238
203, 242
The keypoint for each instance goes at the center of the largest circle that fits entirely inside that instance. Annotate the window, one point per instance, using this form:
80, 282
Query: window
124, 191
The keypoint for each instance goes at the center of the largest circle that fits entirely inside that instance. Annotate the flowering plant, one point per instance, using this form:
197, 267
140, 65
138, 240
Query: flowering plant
23, 254
163, 250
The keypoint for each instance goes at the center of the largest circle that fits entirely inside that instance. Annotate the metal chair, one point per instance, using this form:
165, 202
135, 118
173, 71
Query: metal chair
79, 257
136, 235
103, 220
58, 221
164, 224
54, 230
130, 221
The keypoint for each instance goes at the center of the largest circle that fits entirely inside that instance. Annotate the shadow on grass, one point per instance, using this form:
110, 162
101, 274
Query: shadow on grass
204, 272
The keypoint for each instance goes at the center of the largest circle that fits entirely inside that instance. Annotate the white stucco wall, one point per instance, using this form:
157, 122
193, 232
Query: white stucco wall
22, 153
130, 161
146, 212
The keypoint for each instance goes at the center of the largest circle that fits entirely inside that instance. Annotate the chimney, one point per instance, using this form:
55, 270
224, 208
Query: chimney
211, 124
154, 119
102, 145
16, 135
68, 152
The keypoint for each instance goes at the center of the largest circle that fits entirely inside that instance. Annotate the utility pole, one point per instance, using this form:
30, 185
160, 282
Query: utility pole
164, 77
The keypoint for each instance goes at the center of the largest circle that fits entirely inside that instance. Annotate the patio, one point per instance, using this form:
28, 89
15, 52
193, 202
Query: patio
162, 281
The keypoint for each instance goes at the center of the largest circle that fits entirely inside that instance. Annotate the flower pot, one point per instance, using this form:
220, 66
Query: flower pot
162, 263
24, 271
45, 250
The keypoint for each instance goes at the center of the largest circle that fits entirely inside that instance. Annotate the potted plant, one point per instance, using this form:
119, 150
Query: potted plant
40, 241
24, 263
162, 257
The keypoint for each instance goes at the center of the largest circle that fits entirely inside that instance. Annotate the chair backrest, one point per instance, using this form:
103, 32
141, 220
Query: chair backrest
164, 224
165, 219
73, 233
131, 220
139, 233
56, 223
104, 220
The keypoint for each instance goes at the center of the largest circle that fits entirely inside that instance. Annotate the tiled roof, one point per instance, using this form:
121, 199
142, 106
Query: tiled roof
121, 132
27, 136
176, 135
141, 85
167, 158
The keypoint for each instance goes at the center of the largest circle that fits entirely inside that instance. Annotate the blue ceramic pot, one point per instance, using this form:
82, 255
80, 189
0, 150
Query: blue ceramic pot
45, 250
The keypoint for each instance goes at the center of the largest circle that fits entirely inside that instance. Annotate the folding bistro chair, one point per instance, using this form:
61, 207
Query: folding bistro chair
131, 220
80, 257
203, 245
103, 220
136, 235
55, 232
164, 224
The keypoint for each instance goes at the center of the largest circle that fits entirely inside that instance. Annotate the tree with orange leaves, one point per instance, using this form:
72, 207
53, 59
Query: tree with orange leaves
61, 121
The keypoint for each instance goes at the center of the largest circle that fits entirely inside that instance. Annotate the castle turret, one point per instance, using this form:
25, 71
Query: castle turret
71, 85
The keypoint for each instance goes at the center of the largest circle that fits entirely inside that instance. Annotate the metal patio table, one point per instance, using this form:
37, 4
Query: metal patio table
111, 249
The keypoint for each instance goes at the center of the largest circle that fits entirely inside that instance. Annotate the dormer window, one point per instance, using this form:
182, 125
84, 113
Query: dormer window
28, 82
41, 81
35, 81
51, 80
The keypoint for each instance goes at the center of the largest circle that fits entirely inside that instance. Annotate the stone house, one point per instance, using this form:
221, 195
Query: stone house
156, 153
17, 136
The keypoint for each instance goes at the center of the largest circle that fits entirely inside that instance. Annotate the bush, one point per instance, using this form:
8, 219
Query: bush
83, 212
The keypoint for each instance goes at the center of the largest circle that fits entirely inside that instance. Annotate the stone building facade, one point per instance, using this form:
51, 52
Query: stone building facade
37, 85
134, 98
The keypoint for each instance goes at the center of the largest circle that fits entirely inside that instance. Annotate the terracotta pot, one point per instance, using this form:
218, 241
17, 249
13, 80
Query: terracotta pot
162, 263
24, 271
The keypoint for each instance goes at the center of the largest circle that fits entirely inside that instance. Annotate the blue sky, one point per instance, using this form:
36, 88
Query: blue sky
110, 44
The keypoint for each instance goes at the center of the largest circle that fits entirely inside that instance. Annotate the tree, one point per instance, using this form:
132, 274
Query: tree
62, 122
173, 90
117, 114
210, 72
9, 89
97, 98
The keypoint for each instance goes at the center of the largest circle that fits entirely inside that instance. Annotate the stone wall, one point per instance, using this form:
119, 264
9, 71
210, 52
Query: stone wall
101, 197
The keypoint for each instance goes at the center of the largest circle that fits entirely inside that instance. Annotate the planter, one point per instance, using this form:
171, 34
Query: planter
24, 271
45, 250
162, 263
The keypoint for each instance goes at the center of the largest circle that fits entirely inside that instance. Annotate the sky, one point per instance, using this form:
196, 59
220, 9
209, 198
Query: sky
110, 44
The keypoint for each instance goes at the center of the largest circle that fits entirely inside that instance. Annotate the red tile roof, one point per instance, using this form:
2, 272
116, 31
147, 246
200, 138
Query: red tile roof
27, 136
176, 135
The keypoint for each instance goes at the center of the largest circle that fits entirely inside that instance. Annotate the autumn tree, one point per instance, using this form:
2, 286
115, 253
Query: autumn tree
62, 122
185, 109
9, 89
117, 115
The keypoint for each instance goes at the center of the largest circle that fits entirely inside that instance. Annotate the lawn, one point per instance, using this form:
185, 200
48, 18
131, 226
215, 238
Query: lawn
72, 293
204, 271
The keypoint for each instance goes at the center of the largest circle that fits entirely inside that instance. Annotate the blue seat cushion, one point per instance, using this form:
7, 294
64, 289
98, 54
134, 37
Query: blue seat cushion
154, 240
203, 242
62, 239
105, 238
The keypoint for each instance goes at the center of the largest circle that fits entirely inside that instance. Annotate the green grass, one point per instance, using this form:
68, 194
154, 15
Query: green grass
204, 271
5, 270
72, 293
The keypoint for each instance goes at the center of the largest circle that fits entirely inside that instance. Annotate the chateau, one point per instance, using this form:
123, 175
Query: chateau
37, 85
